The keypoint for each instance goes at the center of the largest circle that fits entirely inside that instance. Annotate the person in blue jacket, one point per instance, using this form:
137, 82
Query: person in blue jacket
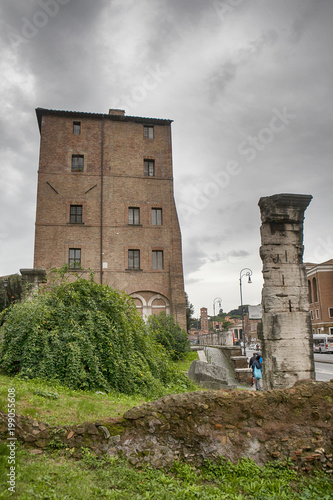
257, 372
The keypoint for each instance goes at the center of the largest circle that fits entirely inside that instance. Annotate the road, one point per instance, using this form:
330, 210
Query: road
323, 366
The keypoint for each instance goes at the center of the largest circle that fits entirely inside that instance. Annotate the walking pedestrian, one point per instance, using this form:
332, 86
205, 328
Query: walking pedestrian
254, 355
257, 373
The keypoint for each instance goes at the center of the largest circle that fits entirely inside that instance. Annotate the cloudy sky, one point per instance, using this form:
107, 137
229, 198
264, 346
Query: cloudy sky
248, 84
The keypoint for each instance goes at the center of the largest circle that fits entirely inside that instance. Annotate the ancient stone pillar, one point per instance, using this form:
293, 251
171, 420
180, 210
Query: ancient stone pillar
286, 337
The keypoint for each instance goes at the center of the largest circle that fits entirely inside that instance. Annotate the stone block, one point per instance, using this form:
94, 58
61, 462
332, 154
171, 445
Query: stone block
201, 372
288, 355
286, 325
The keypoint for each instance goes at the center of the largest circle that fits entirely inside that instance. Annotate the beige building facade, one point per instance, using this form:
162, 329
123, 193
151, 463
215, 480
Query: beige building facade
105, 202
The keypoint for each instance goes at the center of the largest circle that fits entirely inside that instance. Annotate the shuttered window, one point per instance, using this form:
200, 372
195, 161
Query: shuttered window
77, 163
134, 216
157, 259
133, 259
149, 168
74, 259
148, 132
156, 216
75, 216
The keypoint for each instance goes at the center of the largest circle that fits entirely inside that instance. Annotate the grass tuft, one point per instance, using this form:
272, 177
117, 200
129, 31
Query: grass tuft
56, 476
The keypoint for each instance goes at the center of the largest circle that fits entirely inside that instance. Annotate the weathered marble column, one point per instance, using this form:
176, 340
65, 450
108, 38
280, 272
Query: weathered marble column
286, 337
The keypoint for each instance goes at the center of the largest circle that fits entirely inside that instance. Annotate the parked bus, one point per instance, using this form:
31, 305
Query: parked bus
322, 343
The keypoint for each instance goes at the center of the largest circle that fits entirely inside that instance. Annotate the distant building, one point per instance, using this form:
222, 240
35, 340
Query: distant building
236, 330
320, 290
251, 328
204, 320
193, 336
217, 325
105, 202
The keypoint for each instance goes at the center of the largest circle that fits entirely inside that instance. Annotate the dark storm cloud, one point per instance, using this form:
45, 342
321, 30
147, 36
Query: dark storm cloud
226, 256
55, 48
198, 252
267, 39
195, 256
176, 24
222, 77
188, 8
306, 13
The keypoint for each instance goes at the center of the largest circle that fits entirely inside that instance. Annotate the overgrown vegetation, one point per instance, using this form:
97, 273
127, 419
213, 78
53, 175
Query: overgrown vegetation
88, 336
169, 334
57, 404
57, 476
11, 290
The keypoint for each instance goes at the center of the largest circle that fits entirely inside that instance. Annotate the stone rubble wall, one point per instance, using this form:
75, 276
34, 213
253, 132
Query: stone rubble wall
291, 423
218, 338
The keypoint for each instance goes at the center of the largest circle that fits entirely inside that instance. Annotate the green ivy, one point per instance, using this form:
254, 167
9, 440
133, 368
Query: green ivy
86, 336
169, 334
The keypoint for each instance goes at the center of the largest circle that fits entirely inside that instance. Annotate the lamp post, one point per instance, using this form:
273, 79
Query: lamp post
244, 272
218, 300
5, 284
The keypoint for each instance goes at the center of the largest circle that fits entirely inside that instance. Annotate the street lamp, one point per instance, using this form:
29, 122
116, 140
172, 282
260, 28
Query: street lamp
244, 272
5, 284
218, 300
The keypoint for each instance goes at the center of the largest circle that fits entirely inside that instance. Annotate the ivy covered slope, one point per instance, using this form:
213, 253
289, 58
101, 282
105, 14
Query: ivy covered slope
86, 336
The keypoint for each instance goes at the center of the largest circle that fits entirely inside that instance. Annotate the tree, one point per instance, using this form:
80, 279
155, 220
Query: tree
226, 325
169, 334
189, 313
84, 335
235, 312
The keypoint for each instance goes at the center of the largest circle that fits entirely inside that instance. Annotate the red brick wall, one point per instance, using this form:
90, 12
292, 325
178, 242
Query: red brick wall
324, 280
124, 185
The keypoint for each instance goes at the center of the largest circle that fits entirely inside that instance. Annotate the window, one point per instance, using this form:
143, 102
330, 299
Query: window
317, 313
331, 330
148, 132
149, 168
76, 128
77, 163
315, 293
157, 259
311, 314
156, 216
318, 330
75, 216
74, 260
310, 291
134, 259
134, 216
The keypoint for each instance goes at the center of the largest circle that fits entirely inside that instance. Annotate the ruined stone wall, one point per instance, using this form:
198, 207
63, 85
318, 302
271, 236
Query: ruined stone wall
286, 338
291, 423
218, 338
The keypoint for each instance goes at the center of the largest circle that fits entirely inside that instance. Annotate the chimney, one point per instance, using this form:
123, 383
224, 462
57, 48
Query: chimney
120, 112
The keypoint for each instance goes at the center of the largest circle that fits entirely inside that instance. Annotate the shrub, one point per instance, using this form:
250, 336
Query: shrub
169, 334
86, 336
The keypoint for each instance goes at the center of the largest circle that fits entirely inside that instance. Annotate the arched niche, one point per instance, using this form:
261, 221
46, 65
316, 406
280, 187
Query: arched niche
150, 303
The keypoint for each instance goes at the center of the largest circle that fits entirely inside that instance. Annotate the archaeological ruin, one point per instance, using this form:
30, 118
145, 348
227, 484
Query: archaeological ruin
286, 338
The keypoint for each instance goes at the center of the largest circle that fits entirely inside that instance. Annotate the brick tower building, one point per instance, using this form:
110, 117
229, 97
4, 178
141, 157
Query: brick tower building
204, 320
105, 201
